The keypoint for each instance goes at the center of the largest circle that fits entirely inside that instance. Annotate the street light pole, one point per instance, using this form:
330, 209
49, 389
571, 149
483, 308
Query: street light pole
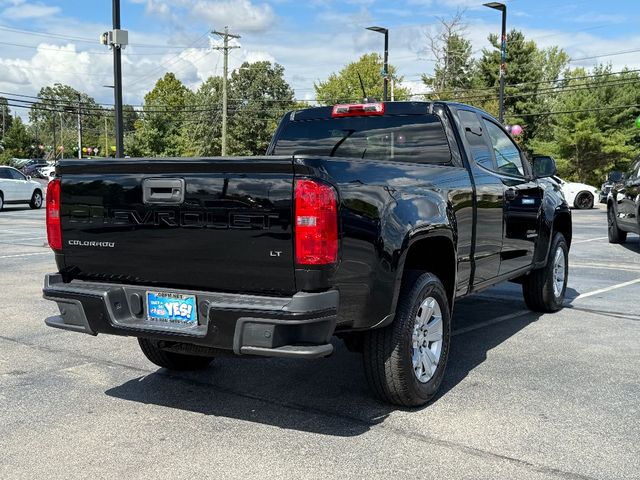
501, 7
385, 67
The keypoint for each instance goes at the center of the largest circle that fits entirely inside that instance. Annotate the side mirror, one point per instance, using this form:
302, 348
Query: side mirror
28, 177
544, 166
615, 176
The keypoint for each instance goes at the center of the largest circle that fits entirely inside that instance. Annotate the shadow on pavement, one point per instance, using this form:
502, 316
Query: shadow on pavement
327, 396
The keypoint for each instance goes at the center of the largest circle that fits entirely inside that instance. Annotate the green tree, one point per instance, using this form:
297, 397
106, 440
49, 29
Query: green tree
202, 133
531, 75
18, 140
5, 115
589, 136
55, 115
258, 98
158, 132
453, 71
344, 86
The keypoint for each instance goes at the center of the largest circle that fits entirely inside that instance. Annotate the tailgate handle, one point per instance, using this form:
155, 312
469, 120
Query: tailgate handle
163, 190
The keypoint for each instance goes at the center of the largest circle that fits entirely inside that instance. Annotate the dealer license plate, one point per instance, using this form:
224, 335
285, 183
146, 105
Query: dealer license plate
172, 308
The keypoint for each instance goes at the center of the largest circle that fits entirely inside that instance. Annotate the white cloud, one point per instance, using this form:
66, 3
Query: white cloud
245, 14
23, 10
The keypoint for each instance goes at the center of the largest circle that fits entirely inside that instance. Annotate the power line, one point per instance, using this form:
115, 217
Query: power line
595, 109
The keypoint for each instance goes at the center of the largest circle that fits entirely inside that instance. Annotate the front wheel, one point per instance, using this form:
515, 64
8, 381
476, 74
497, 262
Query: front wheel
405, 361
172, 360
583, 201
36, 200
544, 289
614, 233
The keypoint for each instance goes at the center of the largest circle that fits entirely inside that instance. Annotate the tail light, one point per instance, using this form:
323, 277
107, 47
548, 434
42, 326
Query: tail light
316, 223
54, 230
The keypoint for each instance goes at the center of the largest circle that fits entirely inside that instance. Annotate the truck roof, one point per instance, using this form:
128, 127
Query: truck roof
391, 108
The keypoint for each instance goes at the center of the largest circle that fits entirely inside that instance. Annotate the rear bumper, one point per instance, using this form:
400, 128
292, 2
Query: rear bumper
298, 326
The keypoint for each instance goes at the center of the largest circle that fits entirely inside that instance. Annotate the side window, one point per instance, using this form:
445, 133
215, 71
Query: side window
4, 174
508, 158
476, 138
16, 175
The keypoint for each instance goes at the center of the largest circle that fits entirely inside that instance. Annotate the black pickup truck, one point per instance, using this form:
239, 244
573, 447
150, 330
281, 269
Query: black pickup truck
363, 221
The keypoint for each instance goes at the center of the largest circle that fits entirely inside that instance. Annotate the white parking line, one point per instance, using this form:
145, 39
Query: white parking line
590, 240
24, 254
611, 266
493, 321
608, 289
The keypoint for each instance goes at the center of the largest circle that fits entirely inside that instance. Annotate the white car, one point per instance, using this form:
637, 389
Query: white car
15, 187
578, 195
47, 172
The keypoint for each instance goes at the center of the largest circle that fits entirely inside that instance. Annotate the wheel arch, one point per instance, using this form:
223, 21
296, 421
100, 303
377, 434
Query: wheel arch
419, 257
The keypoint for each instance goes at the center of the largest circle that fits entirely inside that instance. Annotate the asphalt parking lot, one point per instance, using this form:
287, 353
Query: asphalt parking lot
526, 396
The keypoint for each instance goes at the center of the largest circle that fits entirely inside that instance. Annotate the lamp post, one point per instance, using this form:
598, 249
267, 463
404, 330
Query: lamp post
501, 7
385, 68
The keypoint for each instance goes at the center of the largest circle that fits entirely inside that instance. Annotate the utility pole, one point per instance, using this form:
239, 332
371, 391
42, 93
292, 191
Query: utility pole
117, 39
106, 133
79, 127
225, 52
61, 137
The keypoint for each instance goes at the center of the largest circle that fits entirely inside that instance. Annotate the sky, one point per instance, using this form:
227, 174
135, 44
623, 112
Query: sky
45, 42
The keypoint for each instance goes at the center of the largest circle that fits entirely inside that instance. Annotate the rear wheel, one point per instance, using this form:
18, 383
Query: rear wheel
172, 360
36, 199
405, 361
1, 202
583, 201
615, 234
544, 289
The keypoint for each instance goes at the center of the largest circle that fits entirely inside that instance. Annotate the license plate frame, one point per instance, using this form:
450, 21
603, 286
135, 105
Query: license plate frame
171, 308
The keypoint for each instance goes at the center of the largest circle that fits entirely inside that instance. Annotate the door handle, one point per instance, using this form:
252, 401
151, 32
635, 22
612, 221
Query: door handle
164, 191
510, 194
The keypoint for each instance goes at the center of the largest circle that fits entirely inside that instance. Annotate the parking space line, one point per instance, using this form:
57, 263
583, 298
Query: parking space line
608, 289
589, 240
488, 323
611, 266
25, 254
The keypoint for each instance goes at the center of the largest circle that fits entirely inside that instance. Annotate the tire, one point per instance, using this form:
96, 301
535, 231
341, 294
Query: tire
36, 200
614, 233
542, 289
1, 201
583, 201
389, 352
172, 360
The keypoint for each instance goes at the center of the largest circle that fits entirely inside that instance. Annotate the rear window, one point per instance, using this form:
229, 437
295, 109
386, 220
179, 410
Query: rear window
402, 138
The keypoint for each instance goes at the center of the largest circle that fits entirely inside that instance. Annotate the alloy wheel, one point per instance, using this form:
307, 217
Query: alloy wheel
427, 339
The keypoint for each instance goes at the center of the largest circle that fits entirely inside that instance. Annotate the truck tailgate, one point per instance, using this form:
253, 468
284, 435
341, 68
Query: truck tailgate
215, 224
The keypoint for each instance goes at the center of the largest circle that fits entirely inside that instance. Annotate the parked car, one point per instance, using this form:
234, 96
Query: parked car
47, 172
15, 187
623, 204
578, 195
18, 162
365, 221
31, 168
604, 190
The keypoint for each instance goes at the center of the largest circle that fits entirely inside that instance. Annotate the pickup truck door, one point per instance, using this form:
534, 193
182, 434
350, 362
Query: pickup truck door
522, 200
489, 194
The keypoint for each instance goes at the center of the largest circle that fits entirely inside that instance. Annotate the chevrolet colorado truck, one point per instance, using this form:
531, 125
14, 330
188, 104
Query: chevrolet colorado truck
363, 221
